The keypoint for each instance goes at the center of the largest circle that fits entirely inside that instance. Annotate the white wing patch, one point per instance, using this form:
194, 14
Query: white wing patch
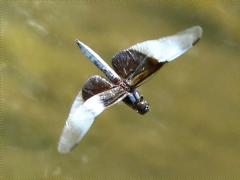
170, 47
80, 119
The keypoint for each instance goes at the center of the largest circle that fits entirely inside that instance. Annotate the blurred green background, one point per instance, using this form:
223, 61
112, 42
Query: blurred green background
193, 127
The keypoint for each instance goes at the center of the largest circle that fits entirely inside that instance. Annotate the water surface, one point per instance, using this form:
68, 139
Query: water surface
193, 127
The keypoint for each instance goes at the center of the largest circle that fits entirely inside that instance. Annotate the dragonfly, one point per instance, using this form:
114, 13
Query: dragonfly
130, 68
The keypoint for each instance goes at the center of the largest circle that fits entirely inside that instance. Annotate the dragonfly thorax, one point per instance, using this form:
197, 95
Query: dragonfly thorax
137, 102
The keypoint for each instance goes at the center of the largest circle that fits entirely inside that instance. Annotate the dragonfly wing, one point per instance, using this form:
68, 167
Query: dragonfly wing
98, 61
170, 47
140, 61
135, 66
94, 85
83, 114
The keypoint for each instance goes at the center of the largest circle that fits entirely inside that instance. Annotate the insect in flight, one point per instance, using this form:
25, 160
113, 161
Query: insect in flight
130, 68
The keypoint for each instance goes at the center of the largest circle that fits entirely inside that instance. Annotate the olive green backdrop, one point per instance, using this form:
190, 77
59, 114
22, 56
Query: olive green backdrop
193, 128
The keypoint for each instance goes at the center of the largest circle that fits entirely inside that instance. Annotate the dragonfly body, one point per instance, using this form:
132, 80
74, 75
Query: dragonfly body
133, 99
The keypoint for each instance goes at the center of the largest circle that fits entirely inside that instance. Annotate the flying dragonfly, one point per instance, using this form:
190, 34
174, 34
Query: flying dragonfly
130, 68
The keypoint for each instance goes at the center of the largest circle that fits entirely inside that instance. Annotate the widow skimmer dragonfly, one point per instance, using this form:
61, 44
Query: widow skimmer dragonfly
130, 68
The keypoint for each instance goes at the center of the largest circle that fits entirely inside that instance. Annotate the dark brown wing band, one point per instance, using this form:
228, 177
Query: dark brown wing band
134, 66
95, 85
112, 96
108, 93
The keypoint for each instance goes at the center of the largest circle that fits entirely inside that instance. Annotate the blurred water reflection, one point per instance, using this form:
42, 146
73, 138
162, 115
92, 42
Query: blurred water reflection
193, 127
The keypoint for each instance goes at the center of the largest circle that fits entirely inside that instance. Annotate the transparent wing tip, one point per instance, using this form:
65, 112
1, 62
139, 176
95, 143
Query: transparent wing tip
79, 43
195, 30
70, 137
198, 30
196, 33
65, 142
65, 147
62, 148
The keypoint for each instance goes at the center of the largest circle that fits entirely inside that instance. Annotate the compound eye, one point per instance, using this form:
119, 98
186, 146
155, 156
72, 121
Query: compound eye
143, 107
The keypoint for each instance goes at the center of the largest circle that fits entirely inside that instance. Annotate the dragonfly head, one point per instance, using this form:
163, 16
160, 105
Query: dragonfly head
142, 106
